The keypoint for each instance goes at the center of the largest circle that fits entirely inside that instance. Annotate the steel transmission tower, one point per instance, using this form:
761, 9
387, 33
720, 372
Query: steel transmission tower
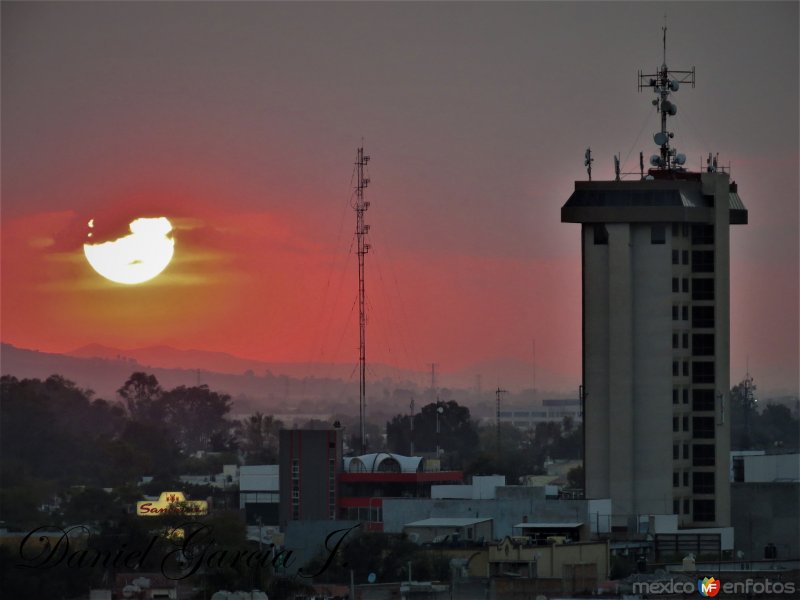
362, 229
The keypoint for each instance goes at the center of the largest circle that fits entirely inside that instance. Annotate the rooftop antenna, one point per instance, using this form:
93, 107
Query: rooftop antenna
641, 163
361, 207
588, 160
616, 167
664, 82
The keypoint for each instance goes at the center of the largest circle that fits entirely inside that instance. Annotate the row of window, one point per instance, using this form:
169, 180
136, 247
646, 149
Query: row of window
701, 234
702, 343
702, 454
703, 509
702, 399
702, 288
702, 371
702, 427
702, 481
702, 316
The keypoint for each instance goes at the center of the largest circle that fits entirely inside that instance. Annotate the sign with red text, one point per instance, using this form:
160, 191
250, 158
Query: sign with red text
171, 503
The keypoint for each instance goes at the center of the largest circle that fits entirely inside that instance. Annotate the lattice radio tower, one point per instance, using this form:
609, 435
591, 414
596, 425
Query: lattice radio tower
362, 229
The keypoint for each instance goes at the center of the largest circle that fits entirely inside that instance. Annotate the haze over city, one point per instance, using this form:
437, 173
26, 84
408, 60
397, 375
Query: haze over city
239, 122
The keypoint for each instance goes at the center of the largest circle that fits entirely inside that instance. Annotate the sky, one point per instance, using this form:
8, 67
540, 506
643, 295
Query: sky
240, 121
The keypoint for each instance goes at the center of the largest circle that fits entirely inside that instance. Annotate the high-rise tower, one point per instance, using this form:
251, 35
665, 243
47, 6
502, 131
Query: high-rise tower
656, 320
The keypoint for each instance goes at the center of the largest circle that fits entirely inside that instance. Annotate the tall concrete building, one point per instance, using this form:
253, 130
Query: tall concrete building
656, 322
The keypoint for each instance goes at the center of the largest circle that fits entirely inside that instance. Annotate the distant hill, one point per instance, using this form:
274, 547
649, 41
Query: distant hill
309, 388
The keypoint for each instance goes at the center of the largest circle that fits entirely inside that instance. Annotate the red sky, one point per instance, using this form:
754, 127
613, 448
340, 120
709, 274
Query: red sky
240, 122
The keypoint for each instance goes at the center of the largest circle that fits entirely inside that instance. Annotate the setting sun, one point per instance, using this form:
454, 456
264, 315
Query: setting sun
134, 258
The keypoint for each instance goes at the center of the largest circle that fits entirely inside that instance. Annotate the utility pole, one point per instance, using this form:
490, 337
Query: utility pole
499, 392
362, 229
411, 429
433, 378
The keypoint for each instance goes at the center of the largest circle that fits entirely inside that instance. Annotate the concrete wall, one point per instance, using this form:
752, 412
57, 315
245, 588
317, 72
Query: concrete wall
771, 467
764, 513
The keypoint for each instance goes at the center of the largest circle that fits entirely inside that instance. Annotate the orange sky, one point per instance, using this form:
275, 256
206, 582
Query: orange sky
240, 122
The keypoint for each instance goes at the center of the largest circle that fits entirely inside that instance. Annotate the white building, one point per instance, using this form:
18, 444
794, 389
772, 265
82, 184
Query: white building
655, 269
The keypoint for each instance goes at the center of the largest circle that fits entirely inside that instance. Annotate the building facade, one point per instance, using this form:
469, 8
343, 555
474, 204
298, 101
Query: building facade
310, 461
656, 315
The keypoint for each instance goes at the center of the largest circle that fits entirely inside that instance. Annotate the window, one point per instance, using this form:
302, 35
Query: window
676, 504
703, 483
686, 423
658, 234
686, 506
702, 234
676, 230
685, 285
686, 368
675, 423
703, 344
702, 400
600, 235
702, 289
703, 455
676, 479
675, 340
703, 316
686, 479
685, 229
703, 427
674, 395
686, 395
675, 312
702, 372
676, 454
702, 261
685, 257
675, 285
675, 368
703, 510
686, 451
675, 257
685, 340
685, 313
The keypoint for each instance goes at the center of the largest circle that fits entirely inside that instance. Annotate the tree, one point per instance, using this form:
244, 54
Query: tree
258, 435
195, 416
141, 392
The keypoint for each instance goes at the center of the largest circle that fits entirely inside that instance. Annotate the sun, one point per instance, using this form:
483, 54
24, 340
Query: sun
134, 258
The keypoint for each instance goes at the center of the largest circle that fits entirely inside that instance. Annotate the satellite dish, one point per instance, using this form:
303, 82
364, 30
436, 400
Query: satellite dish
660, 138
674, 85
649, 178
680, 159
673, 109
655, 160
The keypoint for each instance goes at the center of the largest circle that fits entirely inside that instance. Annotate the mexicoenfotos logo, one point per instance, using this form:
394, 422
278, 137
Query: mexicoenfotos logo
708, 587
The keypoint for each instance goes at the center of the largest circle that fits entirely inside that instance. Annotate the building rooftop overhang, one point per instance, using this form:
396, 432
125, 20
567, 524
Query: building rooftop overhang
658, 201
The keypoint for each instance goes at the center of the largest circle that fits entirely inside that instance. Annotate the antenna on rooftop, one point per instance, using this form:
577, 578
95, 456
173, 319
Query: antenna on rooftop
616, 167
587, 161
665, 82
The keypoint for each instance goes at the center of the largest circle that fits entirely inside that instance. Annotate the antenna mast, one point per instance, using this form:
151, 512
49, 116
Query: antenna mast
499, 392
664, 82
361, 207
